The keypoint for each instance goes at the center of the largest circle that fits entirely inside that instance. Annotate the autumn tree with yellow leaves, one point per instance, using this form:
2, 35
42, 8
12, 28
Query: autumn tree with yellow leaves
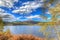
55, 11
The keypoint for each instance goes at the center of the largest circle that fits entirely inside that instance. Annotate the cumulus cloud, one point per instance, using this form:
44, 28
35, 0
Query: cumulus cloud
27, 18
7, 3
28, 7
35, 16
1, 10
8, 17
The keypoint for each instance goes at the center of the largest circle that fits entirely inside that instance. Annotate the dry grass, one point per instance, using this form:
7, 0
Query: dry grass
19, 37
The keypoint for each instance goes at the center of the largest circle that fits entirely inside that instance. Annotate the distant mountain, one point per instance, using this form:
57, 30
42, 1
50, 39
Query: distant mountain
29, 22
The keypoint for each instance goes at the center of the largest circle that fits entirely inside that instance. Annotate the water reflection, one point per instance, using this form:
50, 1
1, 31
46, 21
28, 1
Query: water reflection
24, 29
34, 30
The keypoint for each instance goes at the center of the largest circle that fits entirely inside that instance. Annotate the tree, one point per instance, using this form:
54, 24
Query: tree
1, 24
54, 22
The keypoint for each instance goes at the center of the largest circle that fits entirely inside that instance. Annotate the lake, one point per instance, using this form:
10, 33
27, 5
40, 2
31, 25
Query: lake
27, 29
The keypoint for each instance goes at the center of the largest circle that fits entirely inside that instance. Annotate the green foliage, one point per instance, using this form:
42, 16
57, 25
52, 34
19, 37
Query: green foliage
1, 24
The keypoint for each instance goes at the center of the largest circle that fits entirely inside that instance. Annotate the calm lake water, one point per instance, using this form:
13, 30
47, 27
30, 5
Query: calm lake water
27, 29
24, 29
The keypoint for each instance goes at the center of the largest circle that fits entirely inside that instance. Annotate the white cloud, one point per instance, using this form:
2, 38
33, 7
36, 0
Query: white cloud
35, 16
27, 18
6, 16
38, 17
1, 10
22, 18
28, 8
9, 18
7, 3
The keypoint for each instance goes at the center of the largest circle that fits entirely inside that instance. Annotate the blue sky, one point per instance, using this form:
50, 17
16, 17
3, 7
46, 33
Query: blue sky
25, 14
